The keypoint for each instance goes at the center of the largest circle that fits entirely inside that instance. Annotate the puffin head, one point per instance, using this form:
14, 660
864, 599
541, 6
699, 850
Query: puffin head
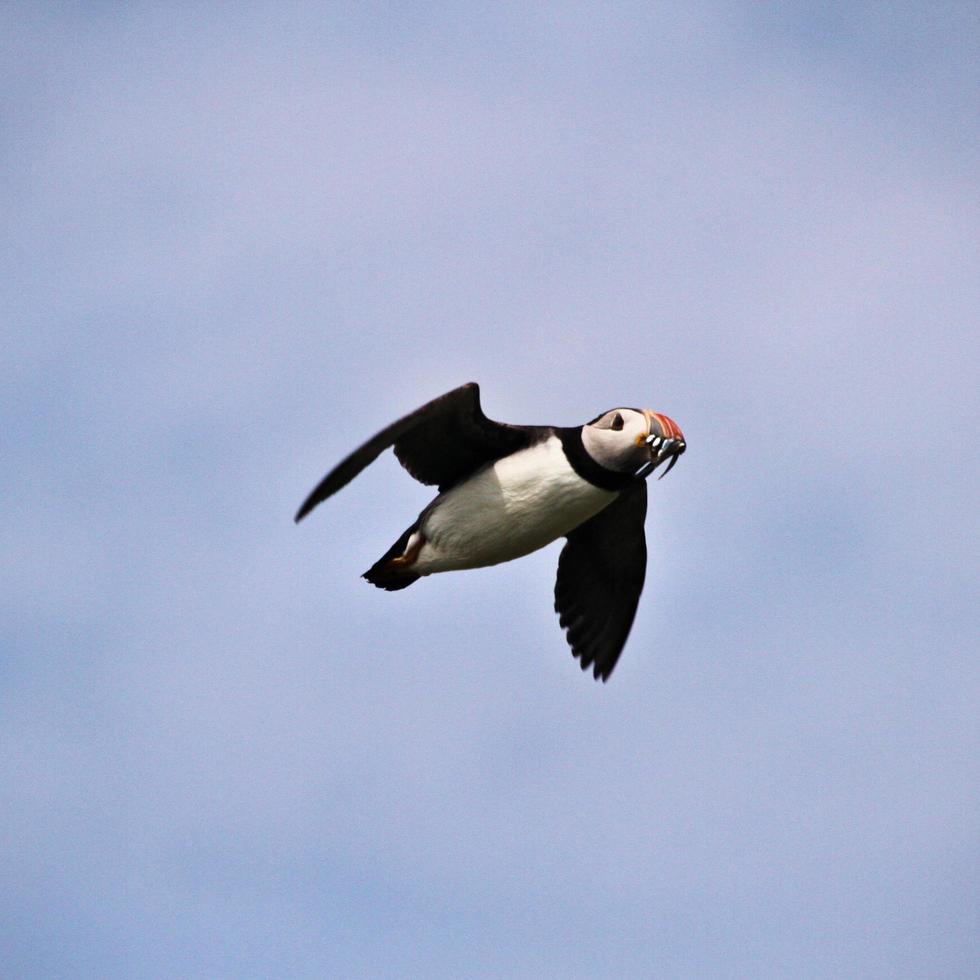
633, 440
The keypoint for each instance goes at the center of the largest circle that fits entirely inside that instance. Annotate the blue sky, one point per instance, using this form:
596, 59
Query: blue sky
239, 241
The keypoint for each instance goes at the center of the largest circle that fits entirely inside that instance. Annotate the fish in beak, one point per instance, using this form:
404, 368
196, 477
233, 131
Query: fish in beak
665, 442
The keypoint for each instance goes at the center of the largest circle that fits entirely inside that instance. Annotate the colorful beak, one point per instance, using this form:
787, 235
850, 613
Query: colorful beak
665, 441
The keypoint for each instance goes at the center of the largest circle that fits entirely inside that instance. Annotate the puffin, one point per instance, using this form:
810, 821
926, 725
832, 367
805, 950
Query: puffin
507, 490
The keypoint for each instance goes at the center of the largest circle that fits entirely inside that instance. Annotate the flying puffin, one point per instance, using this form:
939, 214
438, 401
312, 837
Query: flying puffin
507, 490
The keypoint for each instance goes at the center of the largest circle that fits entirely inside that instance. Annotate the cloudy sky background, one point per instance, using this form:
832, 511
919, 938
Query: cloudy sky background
239, 241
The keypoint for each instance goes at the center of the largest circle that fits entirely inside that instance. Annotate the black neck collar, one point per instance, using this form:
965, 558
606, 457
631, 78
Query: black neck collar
586, 466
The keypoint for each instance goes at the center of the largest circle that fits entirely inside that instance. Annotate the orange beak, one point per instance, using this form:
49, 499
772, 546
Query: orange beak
663, 426
665, 439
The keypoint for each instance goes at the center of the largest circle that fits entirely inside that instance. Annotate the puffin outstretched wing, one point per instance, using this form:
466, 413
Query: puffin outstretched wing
439, 443
600, 578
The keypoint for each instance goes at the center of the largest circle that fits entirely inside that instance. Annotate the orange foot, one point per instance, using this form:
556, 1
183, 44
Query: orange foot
410, 556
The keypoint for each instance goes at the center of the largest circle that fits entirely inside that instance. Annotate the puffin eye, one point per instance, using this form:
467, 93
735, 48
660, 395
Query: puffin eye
617, 422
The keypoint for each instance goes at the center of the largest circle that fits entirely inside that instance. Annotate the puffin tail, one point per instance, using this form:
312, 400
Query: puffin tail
393, 570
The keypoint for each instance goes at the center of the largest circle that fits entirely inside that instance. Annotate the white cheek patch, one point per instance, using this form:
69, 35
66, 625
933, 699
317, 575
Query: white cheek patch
606, 447
621, 450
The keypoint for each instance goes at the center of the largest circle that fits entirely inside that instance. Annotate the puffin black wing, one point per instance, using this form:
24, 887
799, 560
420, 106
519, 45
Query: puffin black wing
439, 443
600, 578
